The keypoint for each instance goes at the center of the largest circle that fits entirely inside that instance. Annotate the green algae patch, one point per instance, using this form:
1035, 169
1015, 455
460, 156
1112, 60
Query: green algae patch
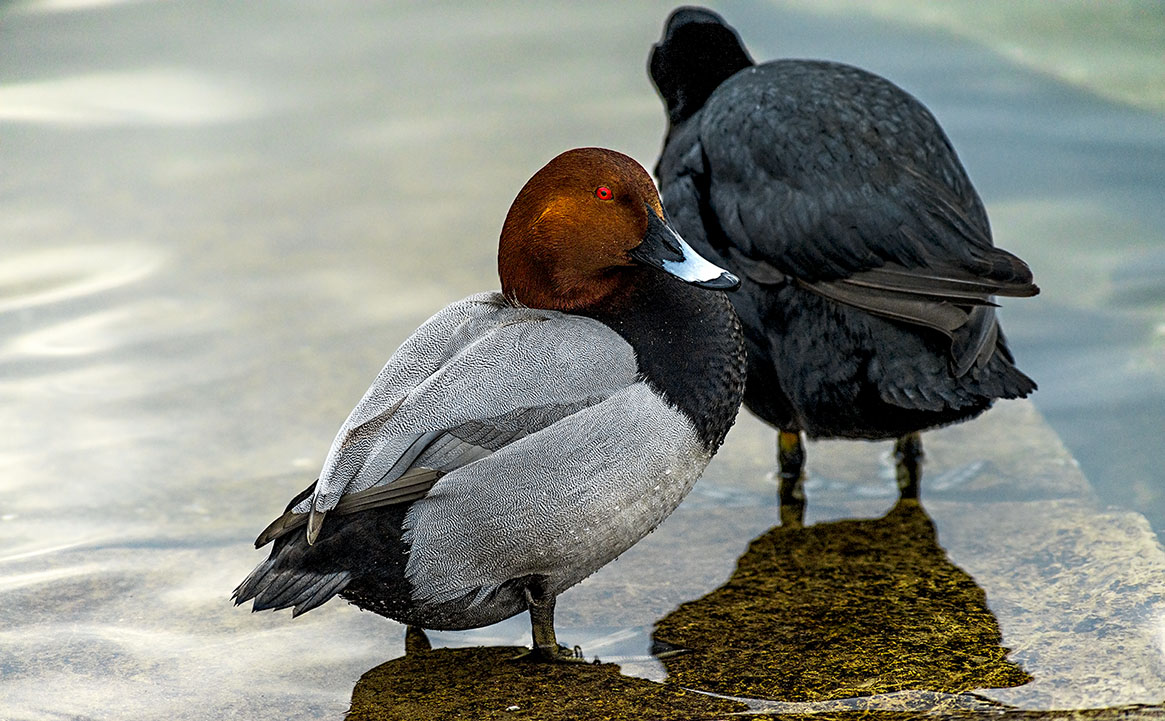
837, 610
487, 683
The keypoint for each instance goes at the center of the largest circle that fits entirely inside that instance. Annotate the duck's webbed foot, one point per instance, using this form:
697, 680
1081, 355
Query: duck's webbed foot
546, 648
562, 654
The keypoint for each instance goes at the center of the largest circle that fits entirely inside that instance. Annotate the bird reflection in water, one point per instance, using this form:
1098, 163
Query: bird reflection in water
791, 496
837, 610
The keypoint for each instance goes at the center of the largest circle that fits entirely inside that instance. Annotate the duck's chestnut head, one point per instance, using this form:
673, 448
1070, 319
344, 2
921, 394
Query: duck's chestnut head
580, 222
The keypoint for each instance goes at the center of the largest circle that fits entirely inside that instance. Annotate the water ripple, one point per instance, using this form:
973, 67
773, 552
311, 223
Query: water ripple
58, 274
155, 96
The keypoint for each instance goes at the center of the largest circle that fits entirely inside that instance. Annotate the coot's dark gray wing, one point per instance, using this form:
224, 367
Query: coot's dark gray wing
834, 178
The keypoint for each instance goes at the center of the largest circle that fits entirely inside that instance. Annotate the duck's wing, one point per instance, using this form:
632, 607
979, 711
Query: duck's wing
502, 375
893, 228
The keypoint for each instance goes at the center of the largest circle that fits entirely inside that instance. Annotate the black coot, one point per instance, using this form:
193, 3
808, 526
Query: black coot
866, 257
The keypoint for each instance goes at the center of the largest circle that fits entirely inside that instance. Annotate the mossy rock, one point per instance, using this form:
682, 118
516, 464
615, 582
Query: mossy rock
487, 683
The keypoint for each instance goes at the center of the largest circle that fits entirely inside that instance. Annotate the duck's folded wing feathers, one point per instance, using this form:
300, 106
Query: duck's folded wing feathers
409, 487
421, 354
514, 372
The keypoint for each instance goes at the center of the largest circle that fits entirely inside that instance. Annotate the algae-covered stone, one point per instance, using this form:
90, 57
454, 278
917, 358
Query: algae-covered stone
487, 683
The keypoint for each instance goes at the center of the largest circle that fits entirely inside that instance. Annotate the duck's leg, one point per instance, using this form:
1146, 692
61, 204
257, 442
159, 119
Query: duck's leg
416, 641
791, 477
541, 604
908, 464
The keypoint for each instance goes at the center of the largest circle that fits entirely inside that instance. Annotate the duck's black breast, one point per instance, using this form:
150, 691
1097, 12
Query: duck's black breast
689, 346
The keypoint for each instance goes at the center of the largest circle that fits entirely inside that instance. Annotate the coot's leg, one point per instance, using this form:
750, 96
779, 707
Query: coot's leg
790, 477
541, 604
908, 464
416, 641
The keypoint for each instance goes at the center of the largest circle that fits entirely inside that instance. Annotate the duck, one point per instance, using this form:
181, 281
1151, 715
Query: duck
868, 270
522, 439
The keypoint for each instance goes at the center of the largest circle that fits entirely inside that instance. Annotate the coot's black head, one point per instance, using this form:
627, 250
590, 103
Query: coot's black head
697, 52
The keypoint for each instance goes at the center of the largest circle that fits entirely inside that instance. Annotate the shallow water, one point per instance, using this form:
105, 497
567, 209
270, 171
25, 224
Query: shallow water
218, 221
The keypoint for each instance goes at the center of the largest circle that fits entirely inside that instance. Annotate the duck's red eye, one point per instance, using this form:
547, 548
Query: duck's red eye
604, 193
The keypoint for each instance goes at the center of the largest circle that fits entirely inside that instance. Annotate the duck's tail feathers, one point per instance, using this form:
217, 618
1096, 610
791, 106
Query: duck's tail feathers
274, 588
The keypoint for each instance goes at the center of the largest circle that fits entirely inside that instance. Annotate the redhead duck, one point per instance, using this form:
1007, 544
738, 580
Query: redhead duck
867, 266
519, 441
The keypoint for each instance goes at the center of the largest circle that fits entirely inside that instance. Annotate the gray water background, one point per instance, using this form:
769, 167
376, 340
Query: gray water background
217, 220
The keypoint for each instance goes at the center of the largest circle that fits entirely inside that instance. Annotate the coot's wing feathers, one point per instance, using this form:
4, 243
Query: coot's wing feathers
833, 178
939, 315
504, 374
824, 171
948, 283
